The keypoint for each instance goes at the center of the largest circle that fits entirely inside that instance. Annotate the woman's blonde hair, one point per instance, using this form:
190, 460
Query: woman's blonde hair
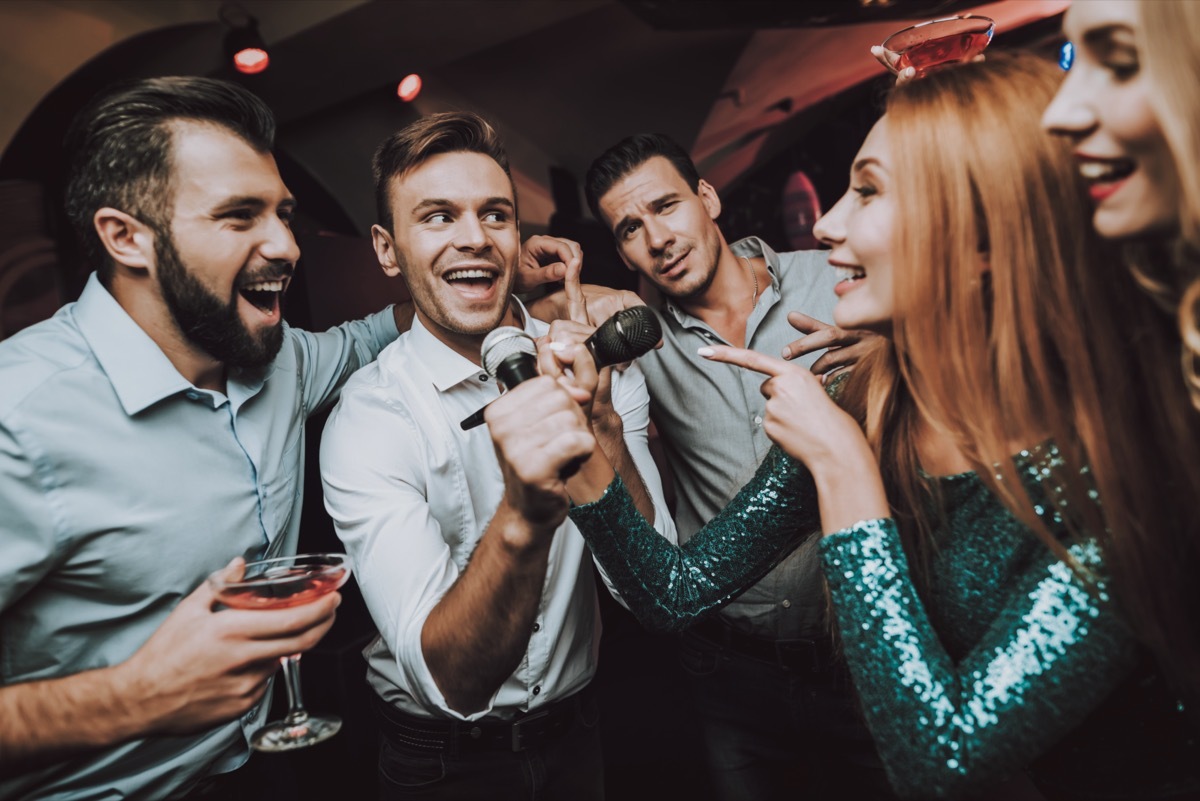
1170, 31
1013, 325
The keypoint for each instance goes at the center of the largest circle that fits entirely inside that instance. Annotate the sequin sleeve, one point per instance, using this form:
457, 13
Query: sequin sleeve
668, 587
949, 729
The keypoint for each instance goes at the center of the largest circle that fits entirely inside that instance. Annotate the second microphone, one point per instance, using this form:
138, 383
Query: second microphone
510, 356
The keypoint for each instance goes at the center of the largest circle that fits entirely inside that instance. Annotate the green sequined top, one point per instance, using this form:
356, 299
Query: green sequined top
1010, 652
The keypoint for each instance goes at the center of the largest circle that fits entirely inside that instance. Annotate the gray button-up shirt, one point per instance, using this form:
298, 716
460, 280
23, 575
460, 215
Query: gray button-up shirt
709, 417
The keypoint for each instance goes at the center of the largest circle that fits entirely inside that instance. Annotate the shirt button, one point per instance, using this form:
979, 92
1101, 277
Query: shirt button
757, 420
537, 627
786, 604
476, 732
537, 689
193, 395
483, 376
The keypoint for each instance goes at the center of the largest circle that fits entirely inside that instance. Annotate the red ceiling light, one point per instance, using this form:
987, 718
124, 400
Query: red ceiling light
244, 46
409, 88
251, 60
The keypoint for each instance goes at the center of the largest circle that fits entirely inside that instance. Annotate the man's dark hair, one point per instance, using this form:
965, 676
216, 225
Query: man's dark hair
413, 145
626, 156
120, 149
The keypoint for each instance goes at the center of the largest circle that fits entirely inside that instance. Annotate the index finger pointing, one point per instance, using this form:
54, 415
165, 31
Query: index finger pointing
749, 359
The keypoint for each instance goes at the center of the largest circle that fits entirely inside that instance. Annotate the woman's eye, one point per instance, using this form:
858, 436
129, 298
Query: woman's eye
1066, 55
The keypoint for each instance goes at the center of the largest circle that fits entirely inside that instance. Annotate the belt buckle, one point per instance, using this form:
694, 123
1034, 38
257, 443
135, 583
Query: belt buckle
517, 745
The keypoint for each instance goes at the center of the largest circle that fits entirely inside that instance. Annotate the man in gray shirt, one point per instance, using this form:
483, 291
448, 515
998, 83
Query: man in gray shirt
778, 716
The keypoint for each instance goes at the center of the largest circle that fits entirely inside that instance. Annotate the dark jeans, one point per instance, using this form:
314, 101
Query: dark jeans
779, 729
569, 766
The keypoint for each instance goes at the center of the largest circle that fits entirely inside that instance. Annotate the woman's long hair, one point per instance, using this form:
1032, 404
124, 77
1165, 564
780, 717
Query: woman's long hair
1170, 31
1013, 325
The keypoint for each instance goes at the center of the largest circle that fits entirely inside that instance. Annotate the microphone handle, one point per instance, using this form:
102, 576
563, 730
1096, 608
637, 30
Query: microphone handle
516, 368
475, 420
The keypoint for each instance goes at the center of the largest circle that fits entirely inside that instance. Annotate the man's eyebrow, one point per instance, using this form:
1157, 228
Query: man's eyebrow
431, 203
654, 205
250, 201
443, 203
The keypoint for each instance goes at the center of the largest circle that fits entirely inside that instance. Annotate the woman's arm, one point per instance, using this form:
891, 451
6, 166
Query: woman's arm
945, 728
669, 587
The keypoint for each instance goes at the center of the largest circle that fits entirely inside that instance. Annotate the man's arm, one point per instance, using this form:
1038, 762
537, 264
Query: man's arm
475, 637
548, 259
456, 635
199, 669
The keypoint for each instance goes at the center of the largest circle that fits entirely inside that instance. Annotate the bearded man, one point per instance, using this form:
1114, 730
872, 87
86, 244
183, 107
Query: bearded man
150, 433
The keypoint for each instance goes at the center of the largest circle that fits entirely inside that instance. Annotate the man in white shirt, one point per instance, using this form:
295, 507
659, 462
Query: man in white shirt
482, 591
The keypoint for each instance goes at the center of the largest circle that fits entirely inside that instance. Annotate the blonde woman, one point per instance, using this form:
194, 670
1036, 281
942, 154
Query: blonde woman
956, 485
1130, 107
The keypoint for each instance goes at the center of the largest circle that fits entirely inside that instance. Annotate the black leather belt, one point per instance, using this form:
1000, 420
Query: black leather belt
457, 736
810, 655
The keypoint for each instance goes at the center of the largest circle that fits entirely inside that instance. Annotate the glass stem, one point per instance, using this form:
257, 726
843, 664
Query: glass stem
291, 679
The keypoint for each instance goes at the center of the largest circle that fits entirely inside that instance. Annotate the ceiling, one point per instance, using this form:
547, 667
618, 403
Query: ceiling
561, 79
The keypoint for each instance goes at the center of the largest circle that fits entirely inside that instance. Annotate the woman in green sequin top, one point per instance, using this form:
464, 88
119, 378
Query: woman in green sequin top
973, 604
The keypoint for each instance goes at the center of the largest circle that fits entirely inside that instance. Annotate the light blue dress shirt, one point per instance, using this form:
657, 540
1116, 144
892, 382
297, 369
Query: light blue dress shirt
122, 486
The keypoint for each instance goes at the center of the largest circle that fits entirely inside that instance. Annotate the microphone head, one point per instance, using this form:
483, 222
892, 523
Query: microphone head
503, 342
625, 336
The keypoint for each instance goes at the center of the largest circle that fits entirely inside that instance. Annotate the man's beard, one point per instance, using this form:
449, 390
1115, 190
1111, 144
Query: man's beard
209, 323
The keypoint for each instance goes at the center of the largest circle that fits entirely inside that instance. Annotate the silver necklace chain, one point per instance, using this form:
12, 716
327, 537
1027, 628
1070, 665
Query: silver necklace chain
754, 275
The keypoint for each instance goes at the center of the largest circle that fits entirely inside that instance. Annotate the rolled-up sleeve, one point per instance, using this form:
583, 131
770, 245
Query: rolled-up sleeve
373, 470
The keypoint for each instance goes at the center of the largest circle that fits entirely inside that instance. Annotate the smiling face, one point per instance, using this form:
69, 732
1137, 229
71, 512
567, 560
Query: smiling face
860, 230
1104, 106
455, 241
663, 229
228, 256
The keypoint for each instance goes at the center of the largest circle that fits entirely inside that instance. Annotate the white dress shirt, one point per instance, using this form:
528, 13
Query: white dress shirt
411, 493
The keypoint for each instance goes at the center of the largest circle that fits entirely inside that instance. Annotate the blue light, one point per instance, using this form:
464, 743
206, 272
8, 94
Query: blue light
1066, 55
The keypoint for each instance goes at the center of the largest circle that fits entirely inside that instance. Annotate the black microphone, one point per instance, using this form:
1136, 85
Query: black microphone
623, 337
509, 355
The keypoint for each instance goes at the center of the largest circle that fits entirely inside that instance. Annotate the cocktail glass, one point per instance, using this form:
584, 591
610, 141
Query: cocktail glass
278, 584
939, 43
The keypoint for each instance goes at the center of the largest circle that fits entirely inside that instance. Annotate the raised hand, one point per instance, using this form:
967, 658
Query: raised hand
846, 347
890, 61
546, 259
803, 420
562, 355
541, 437
800, 417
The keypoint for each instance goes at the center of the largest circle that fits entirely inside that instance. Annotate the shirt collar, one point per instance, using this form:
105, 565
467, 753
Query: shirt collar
445, 366
140, 373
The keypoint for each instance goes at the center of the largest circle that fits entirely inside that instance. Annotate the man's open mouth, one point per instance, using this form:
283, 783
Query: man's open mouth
264, 295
